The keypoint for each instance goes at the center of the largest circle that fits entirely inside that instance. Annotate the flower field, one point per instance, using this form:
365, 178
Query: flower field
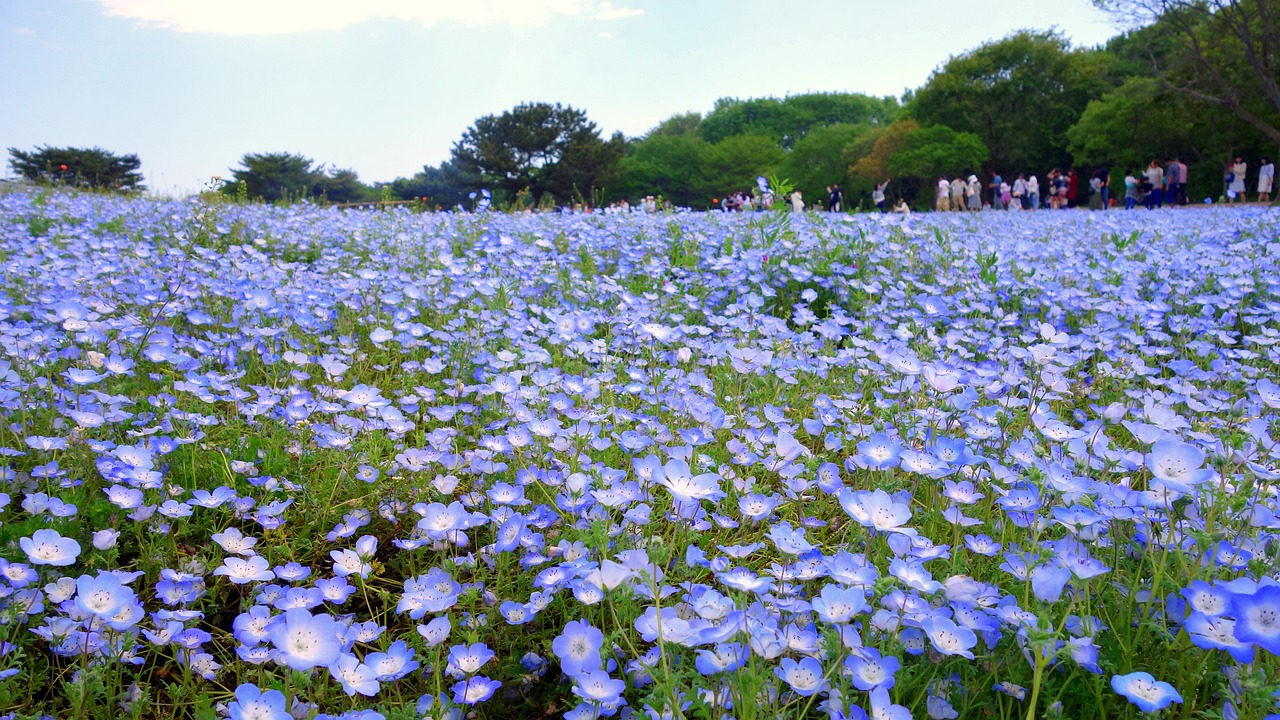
264, 462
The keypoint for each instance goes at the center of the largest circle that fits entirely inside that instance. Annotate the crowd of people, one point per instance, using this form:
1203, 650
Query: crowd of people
1153, 187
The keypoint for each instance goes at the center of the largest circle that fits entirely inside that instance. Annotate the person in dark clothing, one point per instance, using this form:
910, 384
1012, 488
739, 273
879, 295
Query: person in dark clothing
835, 200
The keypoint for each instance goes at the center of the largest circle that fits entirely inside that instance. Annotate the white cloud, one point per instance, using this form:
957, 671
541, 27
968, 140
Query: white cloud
609, 12
22, 31
275, 17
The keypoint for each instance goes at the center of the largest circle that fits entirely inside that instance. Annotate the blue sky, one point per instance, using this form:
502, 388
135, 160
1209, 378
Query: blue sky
386, 86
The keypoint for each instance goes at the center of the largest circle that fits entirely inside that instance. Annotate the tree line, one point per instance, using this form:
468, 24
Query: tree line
1194, 79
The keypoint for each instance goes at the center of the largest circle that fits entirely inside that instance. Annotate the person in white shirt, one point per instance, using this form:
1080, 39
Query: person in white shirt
877, 195
1266, 176
973, 193
943, 195
797, 202
1033, 193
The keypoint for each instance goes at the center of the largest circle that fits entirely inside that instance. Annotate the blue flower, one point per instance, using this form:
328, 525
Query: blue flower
305, 640
474, 690
805, 677
1258, 617
947, 637
47, 547
578, 647
1144, 691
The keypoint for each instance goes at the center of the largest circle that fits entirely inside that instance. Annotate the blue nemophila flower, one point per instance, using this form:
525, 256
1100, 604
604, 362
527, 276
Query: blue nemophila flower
474, 690
104, 596
805, 676
1258, 617
876, 509
868, 669
465, 660
578, 647
878, 452
436, 631
305, 640
245, 570
838, 605
354, 676
947, 637
595, 686
47, 547
254, 704
1144, 691
883, 708
1177, 466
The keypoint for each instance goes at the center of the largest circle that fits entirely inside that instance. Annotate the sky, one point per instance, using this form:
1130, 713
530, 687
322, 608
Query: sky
387, 86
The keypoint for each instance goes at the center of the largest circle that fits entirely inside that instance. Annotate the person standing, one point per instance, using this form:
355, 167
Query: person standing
997, 202
1073, 189
1173, 182
797, 202
1020, 191
877, 195
835, 199
957, 194
1266, 176
1033, 193
1130, 189
1104, 174
1238, 170
942, 198
1155, 178
973, 194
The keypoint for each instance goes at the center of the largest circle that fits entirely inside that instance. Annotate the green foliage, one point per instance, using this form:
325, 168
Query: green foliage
938, 150
787, 120
275, 177
82, 167
820, 158
445, 186
735, 163
1018, 95
669, 165
547, 149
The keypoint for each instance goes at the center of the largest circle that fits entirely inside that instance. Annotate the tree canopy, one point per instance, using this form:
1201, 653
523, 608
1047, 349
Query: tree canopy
283, 176
542, 148
1019, 95
84, 167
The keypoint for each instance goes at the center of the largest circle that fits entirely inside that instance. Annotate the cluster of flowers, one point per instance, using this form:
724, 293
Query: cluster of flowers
454, 457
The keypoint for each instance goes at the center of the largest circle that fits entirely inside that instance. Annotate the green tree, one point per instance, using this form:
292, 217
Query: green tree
273, 176
930, 152
445, 186
787, 120
341, 185
820, 158
736, 162
1220, 52
1142, 120
541, 147
84, 167
669, 165
1018, 95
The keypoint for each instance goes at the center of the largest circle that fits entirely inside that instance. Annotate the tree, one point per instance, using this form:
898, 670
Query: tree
340, 185
1143, 120
930, 152
787, 120
91, 167
682, 124
819, 158
540, 147
445, 186
1221, 52
735, 163
664, 164
1018, 95
272, 176
873, 167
